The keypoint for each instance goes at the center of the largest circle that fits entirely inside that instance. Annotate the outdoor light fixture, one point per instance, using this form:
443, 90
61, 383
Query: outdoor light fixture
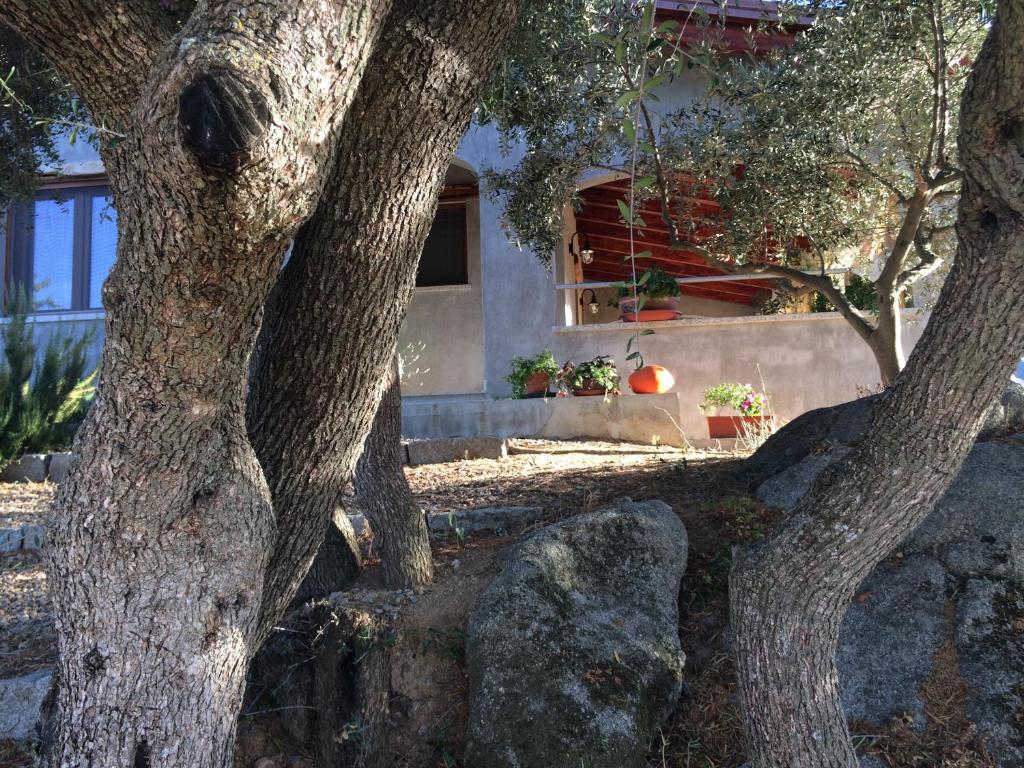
586, 254
592, 304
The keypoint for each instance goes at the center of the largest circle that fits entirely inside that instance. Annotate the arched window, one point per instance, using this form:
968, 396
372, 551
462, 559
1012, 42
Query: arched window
445, 254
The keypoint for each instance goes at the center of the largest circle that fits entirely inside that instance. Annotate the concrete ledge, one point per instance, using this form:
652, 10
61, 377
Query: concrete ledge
467, 522
36, 468
30, 468
25, 538
644, 419
440, 450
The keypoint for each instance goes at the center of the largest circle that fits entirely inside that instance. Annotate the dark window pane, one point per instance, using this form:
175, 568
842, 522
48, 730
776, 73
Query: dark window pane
444, 255
53, 240
103, 246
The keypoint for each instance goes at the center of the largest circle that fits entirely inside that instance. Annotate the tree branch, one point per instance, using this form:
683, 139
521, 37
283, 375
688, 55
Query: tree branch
103, 48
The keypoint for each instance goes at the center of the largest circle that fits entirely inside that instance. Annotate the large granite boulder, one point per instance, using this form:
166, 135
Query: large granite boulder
21, 699
960, 577
573, 650
819, 430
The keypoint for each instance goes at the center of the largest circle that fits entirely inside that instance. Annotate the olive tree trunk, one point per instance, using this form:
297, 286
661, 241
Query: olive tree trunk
789, 593
399, 528
187, 523
322, 361
164, 525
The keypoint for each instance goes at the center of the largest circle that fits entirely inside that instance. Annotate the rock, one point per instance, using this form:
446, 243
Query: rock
842, 424
969, 550
58, 466
20, 701
789, 486
467, 522
573, 650
813, 431
456, 449
10, 539
33, 537
977, 527
888, 637
29, 468
1007, 414
989, 640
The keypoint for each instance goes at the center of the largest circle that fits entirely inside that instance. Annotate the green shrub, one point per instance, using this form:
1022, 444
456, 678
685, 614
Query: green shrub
40, 412
742, 398
601, 372
652, 284
524, 367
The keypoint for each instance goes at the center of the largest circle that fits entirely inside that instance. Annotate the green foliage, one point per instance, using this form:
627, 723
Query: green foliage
860, 292
742, 398
599, 373
812, 149
42, 400
523, 367
29, 87
652, 284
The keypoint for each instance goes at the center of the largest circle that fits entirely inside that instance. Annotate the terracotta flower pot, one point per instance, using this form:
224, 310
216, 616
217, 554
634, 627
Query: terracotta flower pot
650, 315
537, 384
651, 380
730, 426
672, 303
653, 310
590, 388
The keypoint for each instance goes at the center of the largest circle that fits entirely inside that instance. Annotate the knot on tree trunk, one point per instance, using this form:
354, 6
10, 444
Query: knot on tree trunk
222, 117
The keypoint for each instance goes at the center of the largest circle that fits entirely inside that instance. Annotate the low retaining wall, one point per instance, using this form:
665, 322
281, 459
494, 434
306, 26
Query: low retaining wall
644, 419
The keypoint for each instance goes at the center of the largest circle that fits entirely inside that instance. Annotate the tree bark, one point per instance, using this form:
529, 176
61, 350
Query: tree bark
789, 593
164, 524
320, 367
886, 342
398, 525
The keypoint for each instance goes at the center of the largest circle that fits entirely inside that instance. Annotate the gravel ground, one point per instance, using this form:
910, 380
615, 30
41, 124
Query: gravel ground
26, 627
564, 477
24, 503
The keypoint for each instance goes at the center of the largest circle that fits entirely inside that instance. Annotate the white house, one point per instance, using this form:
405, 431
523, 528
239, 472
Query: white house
480, 300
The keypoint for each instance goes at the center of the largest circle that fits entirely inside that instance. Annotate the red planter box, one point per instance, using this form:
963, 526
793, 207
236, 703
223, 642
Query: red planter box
730, 426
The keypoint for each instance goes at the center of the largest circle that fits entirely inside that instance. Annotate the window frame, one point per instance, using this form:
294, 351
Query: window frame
462, 204
20, 256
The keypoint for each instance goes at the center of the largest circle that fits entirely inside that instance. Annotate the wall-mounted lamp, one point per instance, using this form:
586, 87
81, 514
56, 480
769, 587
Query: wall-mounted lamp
586, 253
592, 304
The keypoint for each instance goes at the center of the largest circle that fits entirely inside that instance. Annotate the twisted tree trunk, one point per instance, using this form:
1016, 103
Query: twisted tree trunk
789, 593
398, 525
321, 363
175, 549
164, 524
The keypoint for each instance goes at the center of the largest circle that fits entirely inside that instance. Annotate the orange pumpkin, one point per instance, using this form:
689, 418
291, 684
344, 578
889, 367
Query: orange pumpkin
651, 380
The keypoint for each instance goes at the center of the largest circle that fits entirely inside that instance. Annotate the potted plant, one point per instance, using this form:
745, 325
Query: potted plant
750, 407
594, 377
656, 297
531, 376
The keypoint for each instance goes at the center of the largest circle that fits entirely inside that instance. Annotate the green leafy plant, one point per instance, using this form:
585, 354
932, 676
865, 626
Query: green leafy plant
652, 284
599, 373
42, 399
524, 367
742, 398
860, 292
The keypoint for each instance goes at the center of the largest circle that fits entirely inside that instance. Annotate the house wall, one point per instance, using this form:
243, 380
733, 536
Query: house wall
442, 341
805, 361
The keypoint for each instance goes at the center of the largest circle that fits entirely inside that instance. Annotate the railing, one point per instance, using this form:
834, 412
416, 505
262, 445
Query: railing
703, 279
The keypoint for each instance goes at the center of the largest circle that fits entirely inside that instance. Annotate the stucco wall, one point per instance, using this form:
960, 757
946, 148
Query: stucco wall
806, 361
442, 341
